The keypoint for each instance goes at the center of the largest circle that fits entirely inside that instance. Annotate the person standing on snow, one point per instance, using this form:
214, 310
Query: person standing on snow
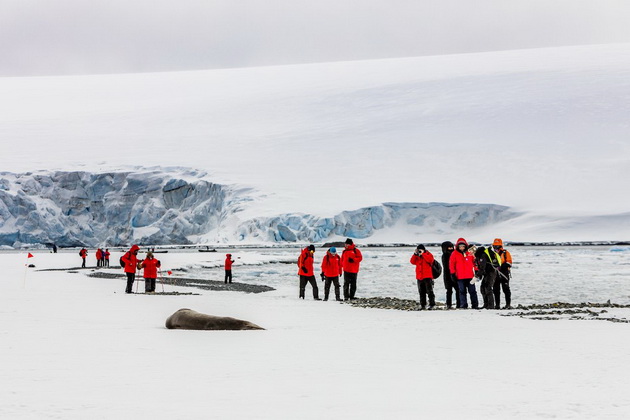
505, 273
488, 263
98, 255
331, 270
449, 284
83, 254
462, 268
106, 255
130, 259
228, 268
150, 266
350, 260
423, 260
307, 275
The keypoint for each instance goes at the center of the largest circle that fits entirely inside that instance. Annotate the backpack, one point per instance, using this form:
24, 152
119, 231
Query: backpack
80, 253
122, 263
436, 269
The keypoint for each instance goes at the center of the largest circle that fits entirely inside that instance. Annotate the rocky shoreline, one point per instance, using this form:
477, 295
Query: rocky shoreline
547, 311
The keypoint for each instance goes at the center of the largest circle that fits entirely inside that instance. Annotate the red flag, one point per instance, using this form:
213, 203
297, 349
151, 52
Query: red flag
30, 255
169, 272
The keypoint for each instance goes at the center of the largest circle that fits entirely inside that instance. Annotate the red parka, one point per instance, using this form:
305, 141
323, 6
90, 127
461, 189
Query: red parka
99, 254
150, 266
306, 261
130, 259
331, 265
351, 253
462, 264
423, 265
228, 261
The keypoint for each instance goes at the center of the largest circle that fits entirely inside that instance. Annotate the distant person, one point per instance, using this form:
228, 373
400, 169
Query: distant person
488, 263
450, 285
130, 259
423, 261
83, 253
350, 260
106, 255
462, 268
99, 256
228, 268
150, 265
307, 275
331, 270
505, 274
54, 247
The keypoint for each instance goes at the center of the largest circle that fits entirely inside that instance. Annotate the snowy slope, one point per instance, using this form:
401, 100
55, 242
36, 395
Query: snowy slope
542, 131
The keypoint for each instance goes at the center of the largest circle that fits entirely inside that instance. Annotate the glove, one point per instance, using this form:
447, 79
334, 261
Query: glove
350, 260
323, 276
303, 270
454, 278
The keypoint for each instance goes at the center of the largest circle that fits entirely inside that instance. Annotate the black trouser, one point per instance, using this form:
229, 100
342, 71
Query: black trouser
106, 263
83, 265
486, 289
502, 283
313, 282
130, 278
335, 281
349, 285
425, 287
149, 285
228, 275
451, 287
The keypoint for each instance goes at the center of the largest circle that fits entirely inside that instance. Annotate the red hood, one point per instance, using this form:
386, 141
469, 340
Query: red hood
134, 248
461, 241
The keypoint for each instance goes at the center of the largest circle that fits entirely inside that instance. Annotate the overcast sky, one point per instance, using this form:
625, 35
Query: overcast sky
41, 37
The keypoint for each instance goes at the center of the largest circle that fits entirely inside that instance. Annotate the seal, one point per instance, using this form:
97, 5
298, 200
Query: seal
187, 319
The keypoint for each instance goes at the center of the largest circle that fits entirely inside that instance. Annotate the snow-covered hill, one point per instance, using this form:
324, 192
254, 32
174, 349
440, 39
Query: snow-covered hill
543, 132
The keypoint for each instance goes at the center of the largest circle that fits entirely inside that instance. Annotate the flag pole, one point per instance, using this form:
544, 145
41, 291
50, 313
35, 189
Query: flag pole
26, 269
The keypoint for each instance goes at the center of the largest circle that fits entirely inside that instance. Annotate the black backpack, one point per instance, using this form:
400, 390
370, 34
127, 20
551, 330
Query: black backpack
436, 269
122, 263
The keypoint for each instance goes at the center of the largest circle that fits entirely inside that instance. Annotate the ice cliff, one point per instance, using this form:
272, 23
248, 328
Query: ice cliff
184, 206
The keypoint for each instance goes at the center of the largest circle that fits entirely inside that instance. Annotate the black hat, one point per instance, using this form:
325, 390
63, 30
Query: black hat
421, 247
311, 247
349, 241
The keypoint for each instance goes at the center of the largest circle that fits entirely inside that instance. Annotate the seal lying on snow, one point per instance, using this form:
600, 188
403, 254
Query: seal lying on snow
187, 319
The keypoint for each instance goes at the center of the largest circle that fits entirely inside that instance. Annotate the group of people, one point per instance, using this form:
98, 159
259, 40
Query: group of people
462, 265
332, 267
150, 265
102, 257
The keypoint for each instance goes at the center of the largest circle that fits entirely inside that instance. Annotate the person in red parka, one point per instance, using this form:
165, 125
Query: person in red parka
423, 260
462, 267
130, 259
83, 253
228, 268
331, 270
350, 260
99, 256
307, 275
106, 255
150, 266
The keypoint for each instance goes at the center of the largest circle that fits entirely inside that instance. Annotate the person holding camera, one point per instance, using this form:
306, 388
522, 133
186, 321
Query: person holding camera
351, 258
423, 260
306, 272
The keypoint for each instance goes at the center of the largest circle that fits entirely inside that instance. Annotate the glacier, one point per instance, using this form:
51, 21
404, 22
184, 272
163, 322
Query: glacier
175, 206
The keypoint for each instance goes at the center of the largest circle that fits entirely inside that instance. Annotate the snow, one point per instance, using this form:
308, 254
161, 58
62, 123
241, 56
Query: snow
77, 347
542, 131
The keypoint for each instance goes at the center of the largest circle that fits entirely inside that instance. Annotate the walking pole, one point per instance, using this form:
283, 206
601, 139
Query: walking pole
161, 279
